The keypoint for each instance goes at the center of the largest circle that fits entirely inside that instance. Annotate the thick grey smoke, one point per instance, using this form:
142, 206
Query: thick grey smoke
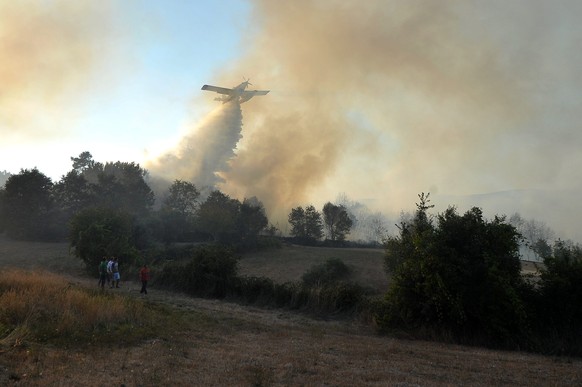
204, 153
387, 99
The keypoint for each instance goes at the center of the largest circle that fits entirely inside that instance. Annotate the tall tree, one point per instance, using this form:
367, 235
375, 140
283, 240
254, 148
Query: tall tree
313, 223
28, 205
217, 216
98, 232
122, 186
182, 197
459, 276
306, 223
251, 220
177, 215
337, 221
83, 162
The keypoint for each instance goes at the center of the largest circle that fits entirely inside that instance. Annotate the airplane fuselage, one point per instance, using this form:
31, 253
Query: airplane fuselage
237, 93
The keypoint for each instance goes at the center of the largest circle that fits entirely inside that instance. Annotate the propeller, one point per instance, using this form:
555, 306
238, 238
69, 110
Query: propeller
247, 80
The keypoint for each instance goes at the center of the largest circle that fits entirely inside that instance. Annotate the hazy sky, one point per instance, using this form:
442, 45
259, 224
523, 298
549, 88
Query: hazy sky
478, 102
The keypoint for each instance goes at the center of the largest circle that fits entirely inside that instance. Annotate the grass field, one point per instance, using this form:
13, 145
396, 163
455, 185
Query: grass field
215, 343
290, 262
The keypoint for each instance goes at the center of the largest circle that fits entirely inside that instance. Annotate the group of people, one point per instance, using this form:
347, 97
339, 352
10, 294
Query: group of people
109, 273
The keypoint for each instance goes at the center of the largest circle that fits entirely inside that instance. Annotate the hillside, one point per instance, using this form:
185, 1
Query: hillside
222, 343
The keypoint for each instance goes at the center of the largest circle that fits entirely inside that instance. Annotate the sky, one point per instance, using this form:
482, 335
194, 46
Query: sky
477, 102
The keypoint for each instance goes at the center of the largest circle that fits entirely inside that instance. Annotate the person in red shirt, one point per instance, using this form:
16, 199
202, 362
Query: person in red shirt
144, 277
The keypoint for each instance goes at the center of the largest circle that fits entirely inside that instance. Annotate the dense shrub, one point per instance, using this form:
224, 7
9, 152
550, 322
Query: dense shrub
332, 270
211, 272
460, 278
99, 232
555, 302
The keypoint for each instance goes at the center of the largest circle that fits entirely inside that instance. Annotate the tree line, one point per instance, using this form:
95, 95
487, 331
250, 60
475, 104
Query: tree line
33, 207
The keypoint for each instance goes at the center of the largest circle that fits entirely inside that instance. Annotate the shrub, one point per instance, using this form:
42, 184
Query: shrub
332, 270
460, 277
555, 305
211, 272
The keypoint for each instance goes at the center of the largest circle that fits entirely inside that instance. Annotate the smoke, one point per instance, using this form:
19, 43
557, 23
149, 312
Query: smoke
383, 100
50, 51
368, 97
205, 151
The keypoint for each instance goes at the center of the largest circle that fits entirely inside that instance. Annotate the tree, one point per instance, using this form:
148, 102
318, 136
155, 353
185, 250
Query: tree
306, 224
557, 307
122, 186
217, 216
251, 220
337, 221
460, 276
83, 162
183, 198
28, 205
98, 232
73, 193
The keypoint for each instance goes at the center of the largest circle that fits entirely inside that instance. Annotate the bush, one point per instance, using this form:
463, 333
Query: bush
460, 277
95, 233
555, 306
331, 271
211, 272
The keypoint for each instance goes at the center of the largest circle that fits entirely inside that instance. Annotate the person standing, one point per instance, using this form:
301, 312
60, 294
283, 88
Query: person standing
144, 277
110, 272
115, 271
103, 272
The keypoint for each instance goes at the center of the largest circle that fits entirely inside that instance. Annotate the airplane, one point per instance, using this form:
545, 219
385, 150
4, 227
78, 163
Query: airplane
237, 93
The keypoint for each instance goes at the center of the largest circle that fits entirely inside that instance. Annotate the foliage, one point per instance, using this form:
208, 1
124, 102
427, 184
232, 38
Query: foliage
251, 221
95, 233
306, 224
556, 304
28, 205
337, 221
211, 272
182, 198
217, 216
460, 276
331, 271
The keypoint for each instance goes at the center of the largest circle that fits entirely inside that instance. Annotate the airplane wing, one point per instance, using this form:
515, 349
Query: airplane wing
220, 90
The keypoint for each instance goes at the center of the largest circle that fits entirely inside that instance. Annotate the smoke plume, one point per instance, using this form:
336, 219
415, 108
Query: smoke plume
205, 151
49, 51
367, 96
383, 100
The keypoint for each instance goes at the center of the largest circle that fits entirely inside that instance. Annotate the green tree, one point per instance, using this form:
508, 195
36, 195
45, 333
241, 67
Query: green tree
182, 198
28, 205
460, 276
306, 224
98, 232
252, 219
218, 215
73, 193
337, 221
557, 306
177, 214
83, 162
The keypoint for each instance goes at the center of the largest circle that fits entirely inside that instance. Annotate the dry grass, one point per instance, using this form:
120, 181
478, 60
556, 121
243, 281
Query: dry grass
45, 307
222, 344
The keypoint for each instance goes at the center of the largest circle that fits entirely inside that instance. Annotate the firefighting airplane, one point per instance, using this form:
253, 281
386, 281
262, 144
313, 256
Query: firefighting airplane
237, 93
